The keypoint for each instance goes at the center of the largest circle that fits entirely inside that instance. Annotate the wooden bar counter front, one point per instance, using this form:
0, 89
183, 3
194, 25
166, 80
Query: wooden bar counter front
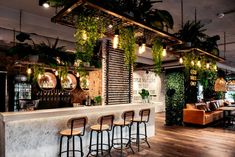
35, 133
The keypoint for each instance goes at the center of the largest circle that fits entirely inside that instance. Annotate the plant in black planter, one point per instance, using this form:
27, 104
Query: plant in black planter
97, 100
144, 95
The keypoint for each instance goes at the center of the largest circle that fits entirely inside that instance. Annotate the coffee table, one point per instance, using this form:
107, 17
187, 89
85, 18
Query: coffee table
227, 114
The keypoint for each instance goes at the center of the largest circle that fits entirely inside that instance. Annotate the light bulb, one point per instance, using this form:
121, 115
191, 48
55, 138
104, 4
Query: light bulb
192, 62
39, 76
140, 50
143, 47
215, 67
207, 65
115, 41
29, 71
46, 5
199, 63
164, 52
77, 74
56, 73
181, 60
84, 35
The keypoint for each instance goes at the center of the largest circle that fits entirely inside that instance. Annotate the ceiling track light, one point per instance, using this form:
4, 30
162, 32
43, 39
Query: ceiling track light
44, 3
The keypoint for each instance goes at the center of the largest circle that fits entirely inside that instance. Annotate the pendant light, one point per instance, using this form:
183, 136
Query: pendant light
116, 39
164, 53
181, 60
208, 65
29, 71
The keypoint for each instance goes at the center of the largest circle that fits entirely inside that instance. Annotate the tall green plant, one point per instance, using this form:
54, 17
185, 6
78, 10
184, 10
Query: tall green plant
174, 100
88, 30
157, 49
128, 44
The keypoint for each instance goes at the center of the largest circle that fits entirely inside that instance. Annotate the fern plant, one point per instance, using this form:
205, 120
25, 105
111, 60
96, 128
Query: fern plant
157, 49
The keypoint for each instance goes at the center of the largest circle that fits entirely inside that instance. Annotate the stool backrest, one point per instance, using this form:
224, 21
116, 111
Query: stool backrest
128, 116
77, 122
106, 120
144, 114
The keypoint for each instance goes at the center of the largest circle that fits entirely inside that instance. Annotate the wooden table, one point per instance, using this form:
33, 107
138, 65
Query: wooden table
227, 114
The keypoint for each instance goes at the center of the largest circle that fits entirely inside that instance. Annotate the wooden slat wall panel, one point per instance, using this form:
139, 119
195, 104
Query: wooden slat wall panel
118, 84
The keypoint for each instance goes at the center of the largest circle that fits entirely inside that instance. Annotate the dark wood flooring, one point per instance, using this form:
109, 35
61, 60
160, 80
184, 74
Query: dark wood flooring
186, 141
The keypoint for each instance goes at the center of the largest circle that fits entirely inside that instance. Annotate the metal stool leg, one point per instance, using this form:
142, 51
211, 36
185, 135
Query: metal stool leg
138, 136
81, 146
109, 144
102, 143
129, 140
145, 134
68, 138
97, 144
73, 146
113, 131
121, 141
90, 143
61, 140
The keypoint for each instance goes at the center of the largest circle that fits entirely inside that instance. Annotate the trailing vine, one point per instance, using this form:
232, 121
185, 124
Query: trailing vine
157, 49
89, 30
128, 44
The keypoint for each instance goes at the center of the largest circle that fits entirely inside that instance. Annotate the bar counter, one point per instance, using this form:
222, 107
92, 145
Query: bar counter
35, 133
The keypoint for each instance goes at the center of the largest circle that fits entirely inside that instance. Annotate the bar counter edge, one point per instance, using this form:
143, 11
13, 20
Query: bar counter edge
35, 133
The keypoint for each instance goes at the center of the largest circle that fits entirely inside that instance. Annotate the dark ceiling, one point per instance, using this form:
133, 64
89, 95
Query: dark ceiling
206, 11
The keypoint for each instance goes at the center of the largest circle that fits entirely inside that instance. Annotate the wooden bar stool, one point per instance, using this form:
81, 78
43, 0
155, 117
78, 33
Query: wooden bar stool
126, 122
105, 124
76, 127
144, 119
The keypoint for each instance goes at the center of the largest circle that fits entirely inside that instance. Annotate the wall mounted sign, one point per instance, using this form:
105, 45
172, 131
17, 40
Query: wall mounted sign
193, 77
47, 81
148, 81
69, 82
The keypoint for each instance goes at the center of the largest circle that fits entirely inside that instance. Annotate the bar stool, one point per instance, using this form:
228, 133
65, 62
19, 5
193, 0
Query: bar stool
76, 127
126, 122
105, 124
144, 119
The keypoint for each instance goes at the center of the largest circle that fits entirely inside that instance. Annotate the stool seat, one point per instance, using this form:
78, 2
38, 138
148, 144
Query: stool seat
121, 123
75, 128
137, 120
99, 128
67, 132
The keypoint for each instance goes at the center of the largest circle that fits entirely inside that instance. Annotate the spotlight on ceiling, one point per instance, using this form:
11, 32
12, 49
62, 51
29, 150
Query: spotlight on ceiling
220, 15
44, 3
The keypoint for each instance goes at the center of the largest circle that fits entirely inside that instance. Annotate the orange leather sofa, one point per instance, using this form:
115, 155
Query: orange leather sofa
193, 115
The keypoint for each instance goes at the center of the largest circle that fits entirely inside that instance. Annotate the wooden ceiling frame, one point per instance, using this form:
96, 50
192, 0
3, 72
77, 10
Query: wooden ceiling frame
67, 10
201, 53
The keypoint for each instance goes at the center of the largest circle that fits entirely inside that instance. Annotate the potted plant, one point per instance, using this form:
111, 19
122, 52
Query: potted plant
144, 95
233, 95
97, 100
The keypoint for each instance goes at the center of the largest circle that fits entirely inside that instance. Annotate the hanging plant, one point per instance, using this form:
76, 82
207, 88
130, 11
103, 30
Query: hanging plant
157, 49
88, 30
128, 44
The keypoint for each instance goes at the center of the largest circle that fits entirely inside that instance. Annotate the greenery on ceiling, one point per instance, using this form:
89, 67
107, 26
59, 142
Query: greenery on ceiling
175, 97
48, 55
140, 10
88, 30
194, 33
128, 44
157, 49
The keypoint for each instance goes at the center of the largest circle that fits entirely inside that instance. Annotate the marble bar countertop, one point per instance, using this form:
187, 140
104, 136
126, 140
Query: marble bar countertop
15, 116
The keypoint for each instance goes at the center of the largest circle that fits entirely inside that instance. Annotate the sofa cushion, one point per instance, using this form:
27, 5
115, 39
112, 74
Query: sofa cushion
213, 106
191, 106
203, 106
